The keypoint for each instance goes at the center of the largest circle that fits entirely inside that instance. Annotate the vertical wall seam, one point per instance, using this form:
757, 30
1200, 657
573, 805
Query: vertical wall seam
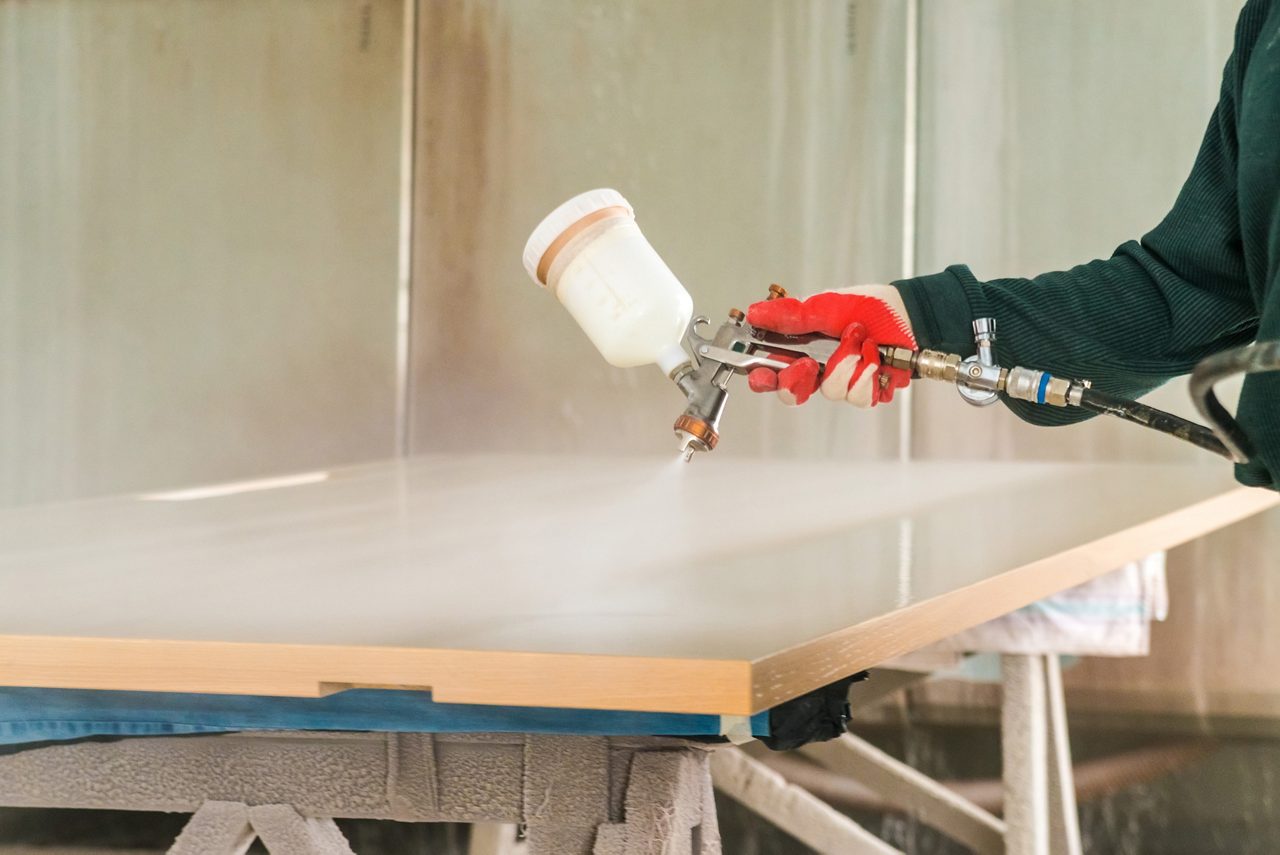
910, 220
404, 268
910, 174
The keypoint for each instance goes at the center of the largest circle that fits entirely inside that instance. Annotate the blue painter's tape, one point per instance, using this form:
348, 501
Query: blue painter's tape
41, 715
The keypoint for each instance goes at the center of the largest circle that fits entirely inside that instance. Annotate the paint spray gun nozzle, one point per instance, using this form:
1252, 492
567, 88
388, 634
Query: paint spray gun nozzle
697, 428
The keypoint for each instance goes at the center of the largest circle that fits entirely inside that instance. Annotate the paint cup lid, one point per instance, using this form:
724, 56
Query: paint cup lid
558, 227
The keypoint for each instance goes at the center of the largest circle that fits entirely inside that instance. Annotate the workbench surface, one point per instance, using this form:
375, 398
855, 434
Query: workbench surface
725, 586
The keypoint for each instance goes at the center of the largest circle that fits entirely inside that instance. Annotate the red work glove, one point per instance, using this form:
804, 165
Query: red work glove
862, 318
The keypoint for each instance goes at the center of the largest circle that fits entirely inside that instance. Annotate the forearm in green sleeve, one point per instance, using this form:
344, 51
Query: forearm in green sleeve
1128, 323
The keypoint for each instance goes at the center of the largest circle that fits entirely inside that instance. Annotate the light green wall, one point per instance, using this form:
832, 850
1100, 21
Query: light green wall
1050, 134
198, 213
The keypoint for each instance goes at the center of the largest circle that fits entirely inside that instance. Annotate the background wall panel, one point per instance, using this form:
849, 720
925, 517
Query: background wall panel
1215, 664
198, 232
1050, 134
758, 142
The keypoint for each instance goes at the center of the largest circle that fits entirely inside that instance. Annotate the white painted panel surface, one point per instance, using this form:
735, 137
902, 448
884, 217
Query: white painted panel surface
569, 554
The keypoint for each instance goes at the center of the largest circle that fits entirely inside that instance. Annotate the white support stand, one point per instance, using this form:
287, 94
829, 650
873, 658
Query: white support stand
1040, 794
284, 831
899, 784
1040, 808
574, 795
1064, 818
229, 828
221, 827
794, 810
1024, 726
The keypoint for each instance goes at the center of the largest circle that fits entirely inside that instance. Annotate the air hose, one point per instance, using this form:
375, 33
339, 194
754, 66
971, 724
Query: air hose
1223, 436
982, 381
1250, 359
1150, 417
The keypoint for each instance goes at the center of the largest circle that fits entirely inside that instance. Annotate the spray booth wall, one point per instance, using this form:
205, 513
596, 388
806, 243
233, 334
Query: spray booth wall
198, 234
199, 255
198, 243
759, 142
1070, 130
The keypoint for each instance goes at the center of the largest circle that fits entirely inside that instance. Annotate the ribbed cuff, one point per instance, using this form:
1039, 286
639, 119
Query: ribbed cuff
941, 308
1255, 474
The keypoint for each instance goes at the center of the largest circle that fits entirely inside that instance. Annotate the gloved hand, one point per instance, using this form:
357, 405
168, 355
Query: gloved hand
863, 318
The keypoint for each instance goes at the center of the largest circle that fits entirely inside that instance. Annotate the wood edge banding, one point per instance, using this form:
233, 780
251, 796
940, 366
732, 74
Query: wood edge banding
572, 681
808, 666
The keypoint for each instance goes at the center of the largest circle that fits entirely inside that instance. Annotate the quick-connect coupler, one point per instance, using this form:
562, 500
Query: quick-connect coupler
977, 382
926, 364
1041, 387
979, 378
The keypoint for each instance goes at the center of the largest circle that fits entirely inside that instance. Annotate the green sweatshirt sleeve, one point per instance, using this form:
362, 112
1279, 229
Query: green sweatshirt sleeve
1127, 323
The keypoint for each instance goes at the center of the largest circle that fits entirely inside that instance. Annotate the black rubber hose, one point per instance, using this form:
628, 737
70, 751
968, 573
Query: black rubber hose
1250, 359
1132, 411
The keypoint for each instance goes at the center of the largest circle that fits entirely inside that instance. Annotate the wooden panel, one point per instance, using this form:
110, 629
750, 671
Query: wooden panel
913, 625
759, 142
198, 211
563, 581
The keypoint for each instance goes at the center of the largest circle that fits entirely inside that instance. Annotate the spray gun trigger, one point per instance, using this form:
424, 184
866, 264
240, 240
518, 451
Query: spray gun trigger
739, 359
820, 348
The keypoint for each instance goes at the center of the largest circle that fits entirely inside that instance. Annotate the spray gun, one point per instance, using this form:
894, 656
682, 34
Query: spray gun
590, 253
737, 348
